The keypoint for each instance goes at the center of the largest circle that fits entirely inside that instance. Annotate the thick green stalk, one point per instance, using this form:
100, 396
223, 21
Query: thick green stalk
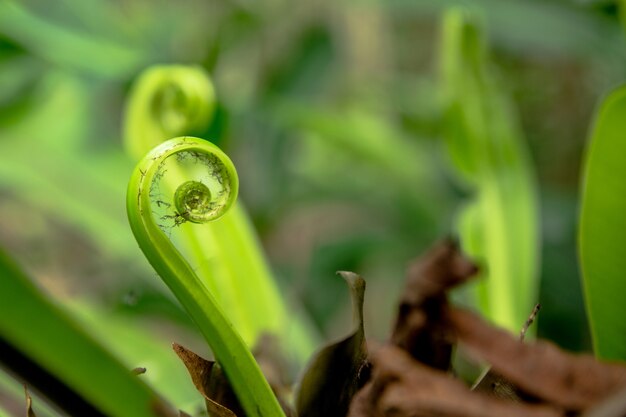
215, 170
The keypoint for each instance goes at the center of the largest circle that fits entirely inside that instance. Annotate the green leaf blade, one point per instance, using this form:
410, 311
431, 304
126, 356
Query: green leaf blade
45, 334
602, 233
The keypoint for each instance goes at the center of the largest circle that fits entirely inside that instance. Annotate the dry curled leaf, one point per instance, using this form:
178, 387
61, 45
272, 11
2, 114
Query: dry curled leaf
536, 379
613, 406
493, 383
339, 370
404, 387
420, 328
29, 404
211, 382
574, 382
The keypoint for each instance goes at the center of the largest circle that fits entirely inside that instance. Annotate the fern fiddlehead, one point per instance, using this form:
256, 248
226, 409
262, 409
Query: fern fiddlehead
175, 100
205, 196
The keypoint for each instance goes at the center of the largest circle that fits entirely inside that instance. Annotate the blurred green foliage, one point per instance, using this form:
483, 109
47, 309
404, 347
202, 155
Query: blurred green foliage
499, 225
331, 112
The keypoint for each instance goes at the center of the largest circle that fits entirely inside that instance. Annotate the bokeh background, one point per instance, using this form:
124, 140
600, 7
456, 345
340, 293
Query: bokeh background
331, 113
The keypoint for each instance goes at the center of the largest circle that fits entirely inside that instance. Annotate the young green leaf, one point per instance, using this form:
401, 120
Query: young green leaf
38, 334
602, 236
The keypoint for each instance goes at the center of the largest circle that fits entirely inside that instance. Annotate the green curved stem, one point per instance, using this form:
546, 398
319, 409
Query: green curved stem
176, 100
228, 347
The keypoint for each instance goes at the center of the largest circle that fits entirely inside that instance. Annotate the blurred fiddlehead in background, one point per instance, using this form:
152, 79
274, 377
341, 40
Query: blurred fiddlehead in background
167, 101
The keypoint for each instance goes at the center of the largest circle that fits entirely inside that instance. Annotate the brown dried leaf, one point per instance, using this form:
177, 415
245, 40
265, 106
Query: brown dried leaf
574, 382
492, 383
403, 387
163, 409
495, 384
336, 373
612, 406
211, 382
217, 410
29, 404
420, 328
